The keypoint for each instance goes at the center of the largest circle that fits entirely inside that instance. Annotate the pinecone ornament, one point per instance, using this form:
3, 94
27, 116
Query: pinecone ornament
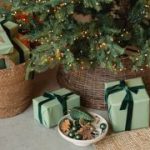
86, 131
65, 125
81, 18
120, 8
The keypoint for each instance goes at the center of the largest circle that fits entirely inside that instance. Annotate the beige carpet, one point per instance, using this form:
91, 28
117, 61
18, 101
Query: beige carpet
133, 140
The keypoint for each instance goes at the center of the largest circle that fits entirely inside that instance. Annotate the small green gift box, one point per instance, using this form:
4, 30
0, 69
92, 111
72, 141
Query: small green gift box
6, 46
128, 104
49, 108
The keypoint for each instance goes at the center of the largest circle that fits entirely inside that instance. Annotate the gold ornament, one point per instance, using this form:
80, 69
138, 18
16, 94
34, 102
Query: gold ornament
58, 54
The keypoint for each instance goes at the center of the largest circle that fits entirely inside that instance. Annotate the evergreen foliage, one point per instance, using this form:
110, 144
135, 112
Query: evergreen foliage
84, 33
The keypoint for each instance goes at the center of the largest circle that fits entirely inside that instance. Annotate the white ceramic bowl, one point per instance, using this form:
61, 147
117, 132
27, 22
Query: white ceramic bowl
86, 142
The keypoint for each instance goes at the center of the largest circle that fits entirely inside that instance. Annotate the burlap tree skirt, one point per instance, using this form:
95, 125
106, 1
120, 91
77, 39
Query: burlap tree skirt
133, 140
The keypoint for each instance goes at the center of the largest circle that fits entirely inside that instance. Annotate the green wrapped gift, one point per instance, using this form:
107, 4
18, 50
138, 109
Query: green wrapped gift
22, 50
19, 56
128, 104
15, 57
11, 28
49, 108
6, 46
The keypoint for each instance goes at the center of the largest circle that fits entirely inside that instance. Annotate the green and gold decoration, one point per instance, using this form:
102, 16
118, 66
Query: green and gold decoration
78, 113
81, 125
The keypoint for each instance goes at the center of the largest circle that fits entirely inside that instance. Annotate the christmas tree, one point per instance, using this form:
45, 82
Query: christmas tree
84, 33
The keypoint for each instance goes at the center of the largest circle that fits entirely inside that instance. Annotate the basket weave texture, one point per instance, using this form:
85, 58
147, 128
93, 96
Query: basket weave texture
131, 140
90, 83
16, 93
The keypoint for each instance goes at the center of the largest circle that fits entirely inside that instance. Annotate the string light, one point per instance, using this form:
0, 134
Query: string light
85, 34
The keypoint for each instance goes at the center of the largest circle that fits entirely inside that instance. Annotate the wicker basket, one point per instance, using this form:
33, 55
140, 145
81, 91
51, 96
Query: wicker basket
90, 83
16, 94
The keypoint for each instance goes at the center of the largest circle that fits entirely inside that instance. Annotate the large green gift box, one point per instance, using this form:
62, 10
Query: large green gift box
128, 104
6, 46
49, 108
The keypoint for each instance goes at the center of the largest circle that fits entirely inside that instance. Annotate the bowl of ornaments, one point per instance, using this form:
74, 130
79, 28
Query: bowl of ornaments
82, 128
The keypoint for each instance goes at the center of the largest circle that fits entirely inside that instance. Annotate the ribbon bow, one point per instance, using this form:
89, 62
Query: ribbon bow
127, 102
50, 97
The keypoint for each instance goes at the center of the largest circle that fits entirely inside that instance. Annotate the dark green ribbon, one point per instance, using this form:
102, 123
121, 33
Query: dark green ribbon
62, 99
127, 102
2, 64
20, 51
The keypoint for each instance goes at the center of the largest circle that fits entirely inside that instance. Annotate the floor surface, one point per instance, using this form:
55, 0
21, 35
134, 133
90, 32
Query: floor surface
24, 133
